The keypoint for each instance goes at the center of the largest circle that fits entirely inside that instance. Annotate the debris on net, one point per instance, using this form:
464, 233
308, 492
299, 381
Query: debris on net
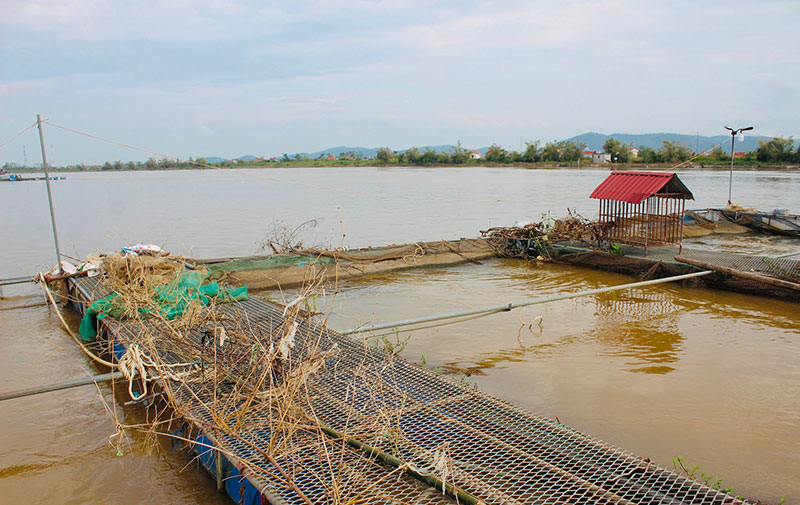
258, 381
519, 241
313, 416
153, 285
577, 228
515, 241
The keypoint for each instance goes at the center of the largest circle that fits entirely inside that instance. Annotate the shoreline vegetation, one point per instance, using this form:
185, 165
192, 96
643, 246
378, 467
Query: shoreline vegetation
372, 164
776, 154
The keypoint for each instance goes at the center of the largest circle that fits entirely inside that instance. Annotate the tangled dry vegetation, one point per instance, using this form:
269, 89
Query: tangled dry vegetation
518, 241
254, 381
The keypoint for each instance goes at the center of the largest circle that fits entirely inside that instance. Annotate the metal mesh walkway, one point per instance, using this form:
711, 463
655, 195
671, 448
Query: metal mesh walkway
492, 450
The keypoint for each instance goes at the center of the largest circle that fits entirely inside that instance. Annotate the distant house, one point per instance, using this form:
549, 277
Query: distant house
475, 155
330, 157
259, 160
633, 152
739, 155
589, 154
274, 158
601, 158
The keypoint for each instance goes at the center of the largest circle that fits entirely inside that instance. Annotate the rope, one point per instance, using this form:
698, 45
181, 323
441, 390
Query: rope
17, 135
437, 325
39, 278
696, 156
114, 142
134, 362
130, 364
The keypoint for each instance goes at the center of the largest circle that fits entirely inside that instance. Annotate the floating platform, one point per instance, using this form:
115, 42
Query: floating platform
368, 426
702, 222
752, 274
294, 268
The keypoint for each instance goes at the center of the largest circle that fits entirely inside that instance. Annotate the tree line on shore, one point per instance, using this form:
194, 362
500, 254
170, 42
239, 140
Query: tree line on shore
778, 150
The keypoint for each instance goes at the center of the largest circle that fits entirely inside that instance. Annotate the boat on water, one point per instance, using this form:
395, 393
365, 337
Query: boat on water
736, 219
19, 178
777, 222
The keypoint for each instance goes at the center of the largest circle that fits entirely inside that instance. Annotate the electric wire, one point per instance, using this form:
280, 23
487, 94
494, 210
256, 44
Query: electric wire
17, 135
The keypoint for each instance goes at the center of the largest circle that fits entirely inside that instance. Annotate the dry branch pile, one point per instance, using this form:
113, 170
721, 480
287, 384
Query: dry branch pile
256, 381
519, 241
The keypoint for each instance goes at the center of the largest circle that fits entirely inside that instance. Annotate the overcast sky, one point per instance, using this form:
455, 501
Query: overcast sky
229, 78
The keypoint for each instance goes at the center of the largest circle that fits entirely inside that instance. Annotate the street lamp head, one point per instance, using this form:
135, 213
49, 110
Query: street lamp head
734, 132
733, 139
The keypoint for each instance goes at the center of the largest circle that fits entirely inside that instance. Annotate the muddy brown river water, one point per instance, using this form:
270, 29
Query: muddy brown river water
664, 372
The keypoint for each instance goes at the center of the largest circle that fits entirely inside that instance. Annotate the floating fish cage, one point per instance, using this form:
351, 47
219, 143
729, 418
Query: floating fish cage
642, 209
367, 426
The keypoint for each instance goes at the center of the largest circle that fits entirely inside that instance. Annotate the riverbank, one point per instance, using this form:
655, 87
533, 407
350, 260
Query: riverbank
694, 166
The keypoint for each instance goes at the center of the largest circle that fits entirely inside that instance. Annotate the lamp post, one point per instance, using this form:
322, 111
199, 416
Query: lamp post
734, 133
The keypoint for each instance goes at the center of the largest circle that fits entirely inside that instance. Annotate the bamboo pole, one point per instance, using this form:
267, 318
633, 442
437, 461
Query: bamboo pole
738, 273
509, 306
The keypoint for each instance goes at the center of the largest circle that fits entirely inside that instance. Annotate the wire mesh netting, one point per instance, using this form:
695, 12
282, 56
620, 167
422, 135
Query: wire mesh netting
335, 420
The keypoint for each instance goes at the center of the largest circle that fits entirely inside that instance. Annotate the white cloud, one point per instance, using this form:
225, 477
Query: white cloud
95, 20
399, 72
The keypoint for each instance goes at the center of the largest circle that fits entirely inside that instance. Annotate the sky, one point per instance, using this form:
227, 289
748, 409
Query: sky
229, 78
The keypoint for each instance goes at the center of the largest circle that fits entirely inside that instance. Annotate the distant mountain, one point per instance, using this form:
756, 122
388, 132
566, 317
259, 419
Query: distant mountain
594, 141
366, 152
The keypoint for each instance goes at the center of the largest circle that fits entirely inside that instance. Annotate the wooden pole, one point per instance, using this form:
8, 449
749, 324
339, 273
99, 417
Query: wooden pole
738, 273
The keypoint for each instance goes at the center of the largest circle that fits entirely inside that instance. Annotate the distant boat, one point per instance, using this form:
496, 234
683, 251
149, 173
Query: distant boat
777, 222
19, 178
739, 220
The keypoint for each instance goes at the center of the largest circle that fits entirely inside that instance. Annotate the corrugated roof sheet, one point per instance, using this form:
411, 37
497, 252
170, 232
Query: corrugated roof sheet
634, 187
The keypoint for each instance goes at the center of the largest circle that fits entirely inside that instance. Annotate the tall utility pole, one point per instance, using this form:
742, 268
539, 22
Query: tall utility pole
734, 133
49, 193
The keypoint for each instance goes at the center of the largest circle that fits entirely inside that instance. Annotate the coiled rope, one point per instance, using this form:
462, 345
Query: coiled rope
39, 278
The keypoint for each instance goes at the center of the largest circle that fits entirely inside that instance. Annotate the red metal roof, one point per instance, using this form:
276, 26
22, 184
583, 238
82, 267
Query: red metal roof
634, 187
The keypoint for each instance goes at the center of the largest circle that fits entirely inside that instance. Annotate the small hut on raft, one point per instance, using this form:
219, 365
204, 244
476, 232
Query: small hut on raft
643, 209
